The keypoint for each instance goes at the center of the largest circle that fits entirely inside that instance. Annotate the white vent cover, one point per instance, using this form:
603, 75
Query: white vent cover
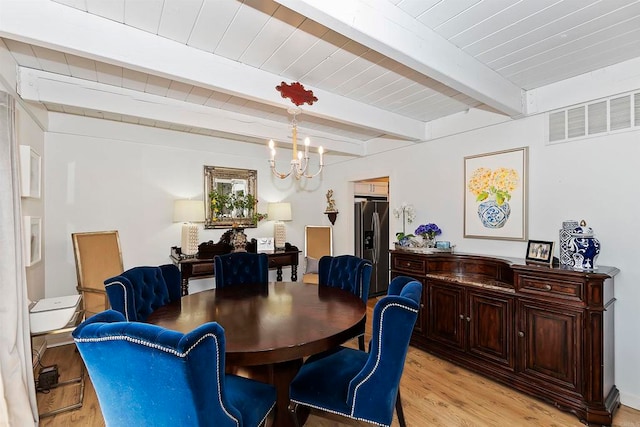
597, 117
620, 112
613, 114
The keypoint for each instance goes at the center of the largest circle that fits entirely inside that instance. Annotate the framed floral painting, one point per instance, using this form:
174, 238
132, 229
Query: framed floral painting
495, 195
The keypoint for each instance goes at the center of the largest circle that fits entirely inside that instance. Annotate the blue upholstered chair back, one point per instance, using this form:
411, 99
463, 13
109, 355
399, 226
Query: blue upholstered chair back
397, 284
239, 268
360, 385
393, 320
146, 375
347, 272
138, 292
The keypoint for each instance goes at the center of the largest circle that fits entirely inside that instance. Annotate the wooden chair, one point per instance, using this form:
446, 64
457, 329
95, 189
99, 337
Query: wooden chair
98, 257
318, 242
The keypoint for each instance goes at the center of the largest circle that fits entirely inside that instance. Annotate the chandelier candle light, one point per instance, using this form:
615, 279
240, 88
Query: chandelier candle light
299, 162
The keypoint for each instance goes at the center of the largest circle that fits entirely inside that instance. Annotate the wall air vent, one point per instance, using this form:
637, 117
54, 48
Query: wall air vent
599, 117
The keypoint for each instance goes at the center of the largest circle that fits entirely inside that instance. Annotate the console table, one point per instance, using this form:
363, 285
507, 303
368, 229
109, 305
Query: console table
545, 331
200, 268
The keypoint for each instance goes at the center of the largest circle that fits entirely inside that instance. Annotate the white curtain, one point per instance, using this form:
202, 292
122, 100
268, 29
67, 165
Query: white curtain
17, 392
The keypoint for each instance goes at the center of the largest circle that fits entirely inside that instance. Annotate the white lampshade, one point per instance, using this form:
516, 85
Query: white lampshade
279, 211
188, 211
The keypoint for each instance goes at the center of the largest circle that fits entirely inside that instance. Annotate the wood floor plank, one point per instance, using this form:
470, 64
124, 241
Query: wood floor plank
434, 393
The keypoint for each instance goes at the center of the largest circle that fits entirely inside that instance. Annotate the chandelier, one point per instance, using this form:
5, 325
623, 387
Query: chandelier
300, 159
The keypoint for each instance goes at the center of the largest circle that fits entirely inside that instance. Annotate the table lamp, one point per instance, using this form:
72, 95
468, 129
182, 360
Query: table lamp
279, 212
188, 212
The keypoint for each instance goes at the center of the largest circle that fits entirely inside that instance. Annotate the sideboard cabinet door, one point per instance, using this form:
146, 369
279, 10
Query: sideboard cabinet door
550, 345
490, 326
446, 314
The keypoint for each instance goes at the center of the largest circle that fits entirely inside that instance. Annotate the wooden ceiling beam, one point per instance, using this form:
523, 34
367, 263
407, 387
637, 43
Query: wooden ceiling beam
45, 87
86, 35
383, 27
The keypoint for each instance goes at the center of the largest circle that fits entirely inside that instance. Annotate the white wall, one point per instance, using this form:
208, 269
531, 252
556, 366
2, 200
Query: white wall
28, 132
96, 183
593, 179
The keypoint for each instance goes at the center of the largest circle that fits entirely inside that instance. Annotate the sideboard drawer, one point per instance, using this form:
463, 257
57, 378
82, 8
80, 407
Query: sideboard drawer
553, 288
409, 264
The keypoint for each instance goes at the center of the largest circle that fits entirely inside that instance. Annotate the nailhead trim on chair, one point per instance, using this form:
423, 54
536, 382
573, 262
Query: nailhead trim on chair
124, 292
171, 351
355, 392
365, 379
340, 413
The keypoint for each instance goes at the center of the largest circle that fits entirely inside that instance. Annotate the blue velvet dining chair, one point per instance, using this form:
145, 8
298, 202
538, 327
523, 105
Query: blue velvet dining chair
139, 291
356, 384
239, 268
147, 375
347, 272
397, 284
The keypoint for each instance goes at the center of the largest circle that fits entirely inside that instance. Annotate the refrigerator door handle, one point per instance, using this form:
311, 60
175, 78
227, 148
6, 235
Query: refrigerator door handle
376, 237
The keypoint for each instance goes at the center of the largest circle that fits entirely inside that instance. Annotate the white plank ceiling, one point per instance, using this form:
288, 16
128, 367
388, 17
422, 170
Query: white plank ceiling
380, 68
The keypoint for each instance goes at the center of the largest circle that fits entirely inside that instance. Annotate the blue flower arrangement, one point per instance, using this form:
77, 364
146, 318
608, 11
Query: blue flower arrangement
428, 231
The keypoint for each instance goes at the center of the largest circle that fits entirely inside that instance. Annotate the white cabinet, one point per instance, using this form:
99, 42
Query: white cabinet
372, 188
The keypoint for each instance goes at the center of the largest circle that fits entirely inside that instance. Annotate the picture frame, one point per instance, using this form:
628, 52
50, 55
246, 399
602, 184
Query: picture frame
495, 195
30, 172
32, 240
265, 245
539, 252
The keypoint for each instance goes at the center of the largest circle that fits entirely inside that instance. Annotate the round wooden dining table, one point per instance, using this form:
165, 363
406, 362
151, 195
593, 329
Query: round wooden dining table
271, 326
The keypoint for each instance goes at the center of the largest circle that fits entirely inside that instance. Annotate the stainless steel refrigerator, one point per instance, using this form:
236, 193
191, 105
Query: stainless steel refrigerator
372, 241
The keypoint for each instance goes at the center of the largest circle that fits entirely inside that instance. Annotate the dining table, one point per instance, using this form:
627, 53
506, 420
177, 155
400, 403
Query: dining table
270, 327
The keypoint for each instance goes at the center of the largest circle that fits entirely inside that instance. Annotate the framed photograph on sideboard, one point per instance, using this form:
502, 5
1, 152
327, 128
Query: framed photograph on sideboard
539, 252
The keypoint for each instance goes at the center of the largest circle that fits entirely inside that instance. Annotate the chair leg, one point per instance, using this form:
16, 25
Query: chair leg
399, 410
293, 410
361, 343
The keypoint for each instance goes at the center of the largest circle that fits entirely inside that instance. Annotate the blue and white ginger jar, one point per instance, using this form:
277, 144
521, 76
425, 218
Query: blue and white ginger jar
584, 247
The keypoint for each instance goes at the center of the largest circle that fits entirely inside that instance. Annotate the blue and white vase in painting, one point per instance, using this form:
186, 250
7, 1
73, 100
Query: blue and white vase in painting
493, 215
584, 247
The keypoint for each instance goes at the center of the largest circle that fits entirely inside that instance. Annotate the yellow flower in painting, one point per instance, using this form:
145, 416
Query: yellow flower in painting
505, 179
499, 183
479, 181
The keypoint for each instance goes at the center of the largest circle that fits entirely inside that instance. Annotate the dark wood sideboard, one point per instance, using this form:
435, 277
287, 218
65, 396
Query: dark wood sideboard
545, 331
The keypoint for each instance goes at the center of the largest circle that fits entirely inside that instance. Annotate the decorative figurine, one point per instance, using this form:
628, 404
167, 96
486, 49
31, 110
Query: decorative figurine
331, 204
239, 240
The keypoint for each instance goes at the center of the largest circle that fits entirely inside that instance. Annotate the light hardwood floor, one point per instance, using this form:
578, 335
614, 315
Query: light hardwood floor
434, 393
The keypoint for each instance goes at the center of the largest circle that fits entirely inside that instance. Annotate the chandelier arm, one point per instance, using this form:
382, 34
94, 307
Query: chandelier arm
272, 163
302, 166
315, 174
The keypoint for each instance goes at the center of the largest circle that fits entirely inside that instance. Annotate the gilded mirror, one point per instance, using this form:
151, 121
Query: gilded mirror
231, 195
